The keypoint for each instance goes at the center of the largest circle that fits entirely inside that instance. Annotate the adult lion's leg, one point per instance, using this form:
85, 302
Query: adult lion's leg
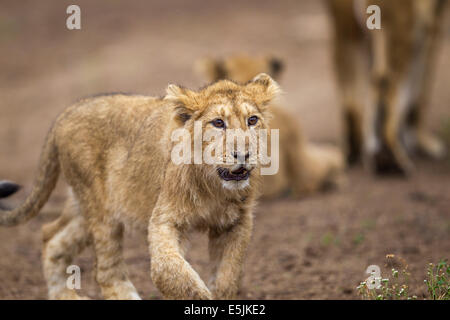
351, 65
63, 239
420, 137
390, 156
111, 273
392, 88
386, 150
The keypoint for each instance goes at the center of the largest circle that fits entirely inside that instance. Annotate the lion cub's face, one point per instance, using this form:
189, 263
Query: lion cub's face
217, 118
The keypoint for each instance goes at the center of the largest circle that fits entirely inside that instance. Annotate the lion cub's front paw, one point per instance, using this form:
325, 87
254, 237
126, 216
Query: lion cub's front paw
202, 294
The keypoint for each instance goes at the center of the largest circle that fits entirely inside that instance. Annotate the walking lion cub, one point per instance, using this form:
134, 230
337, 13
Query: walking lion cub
115, 153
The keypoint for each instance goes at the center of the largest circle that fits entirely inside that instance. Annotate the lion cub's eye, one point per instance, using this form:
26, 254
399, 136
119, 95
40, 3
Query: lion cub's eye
252, 120
218, 123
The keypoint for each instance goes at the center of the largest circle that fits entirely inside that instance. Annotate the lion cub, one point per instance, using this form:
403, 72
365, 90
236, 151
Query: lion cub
115, 153
304, 167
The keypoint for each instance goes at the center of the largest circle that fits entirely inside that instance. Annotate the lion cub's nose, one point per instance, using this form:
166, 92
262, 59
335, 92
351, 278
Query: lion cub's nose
240, 157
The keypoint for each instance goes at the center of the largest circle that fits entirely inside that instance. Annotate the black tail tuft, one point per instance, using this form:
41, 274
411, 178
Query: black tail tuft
7, 188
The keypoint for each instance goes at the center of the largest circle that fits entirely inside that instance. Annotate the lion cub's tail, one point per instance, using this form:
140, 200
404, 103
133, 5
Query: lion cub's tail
8, 188
44, 184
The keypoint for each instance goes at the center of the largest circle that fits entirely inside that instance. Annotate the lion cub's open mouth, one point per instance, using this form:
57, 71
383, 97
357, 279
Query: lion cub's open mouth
237, 175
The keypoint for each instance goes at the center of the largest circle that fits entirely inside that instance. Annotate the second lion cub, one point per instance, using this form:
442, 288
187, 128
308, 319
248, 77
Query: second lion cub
115, 153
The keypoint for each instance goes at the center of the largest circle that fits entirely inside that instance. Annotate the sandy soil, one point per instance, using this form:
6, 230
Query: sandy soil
314, 248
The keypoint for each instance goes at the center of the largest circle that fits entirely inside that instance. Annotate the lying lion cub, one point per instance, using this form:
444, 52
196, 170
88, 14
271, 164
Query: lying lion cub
305, 167
115, 153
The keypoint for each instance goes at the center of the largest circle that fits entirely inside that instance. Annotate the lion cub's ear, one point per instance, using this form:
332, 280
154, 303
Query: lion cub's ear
184, 101
211, 69
263, 89
176, 93
276, 67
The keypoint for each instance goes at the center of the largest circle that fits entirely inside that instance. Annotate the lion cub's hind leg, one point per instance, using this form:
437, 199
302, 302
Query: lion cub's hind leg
63, 239
111, 273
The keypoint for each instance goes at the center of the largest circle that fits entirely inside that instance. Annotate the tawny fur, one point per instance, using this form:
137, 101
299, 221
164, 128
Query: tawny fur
114, 152
395, 82
304, 167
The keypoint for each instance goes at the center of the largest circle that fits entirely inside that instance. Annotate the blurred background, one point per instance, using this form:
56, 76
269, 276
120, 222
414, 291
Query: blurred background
314, 248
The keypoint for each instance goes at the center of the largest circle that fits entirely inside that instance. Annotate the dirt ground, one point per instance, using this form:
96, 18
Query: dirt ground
314, 248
